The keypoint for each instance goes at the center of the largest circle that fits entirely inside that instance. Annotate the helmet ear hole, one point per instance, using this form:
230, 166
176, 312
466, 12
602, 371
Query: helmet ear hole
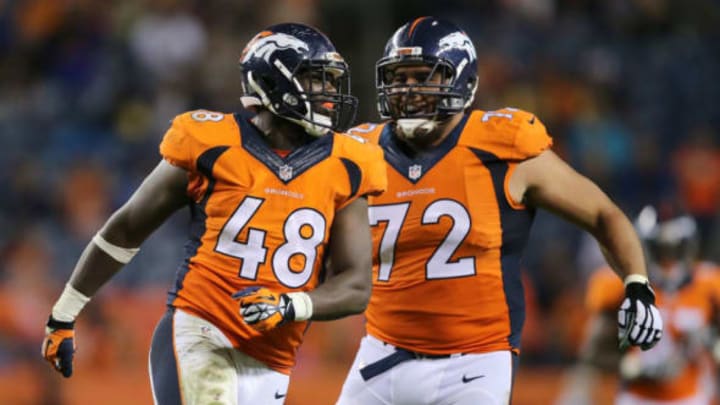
471, 89
472, 82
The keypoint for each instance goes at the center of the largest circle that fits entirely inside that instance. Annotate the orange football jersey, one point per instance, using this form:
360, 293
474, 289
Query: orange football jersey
686, 315
448, 238
259, 219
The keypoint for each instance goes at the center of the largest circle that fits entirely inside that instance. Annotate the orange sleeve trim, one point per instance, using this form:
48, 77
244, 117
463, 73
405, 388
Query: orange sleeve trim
506, 188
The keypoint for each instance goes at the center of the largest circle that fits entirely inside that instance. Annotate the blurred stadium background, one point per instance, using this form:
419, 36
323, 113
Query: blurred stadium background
628, 88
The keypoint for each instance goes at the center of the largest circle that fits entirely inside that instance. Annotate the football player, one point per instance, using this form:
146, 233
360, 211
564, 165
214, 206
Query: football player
447, 309
680, 369
273, 193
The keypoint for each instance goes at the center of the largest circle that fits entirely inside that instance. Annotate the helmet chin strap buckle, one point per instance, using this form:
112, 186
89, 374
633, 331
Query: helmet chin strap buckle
315, 124
312, 129
410, 128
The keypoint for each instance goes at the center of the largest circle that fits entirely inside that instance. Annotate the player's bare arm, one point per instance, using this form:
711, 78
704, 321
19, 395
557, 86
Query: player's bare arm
347, 289
161, 193
546, 181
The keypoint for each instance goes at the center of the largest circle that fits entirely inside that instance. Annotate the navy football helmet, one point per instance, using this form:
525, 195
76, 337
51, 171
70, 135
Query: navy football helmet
670, 238
440, 45
277, 66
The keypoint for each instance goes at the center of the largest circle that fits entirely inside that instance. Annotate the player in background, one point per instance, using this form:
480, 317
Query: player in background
273, 193
680, 370
447, 308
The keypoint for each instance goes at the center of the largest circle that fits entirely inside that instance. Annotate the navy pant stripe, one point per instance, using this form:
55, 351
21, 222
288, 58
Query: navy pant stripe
163, 363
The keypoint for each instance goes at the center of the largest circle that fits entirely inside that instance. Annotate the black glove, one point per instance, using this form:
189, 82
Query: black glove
639, 321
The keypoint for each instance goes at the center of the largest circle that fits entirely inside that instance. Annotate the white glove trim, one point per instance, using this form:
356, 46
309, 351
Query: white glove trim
303, 305
119, 253
635, 278
69, 305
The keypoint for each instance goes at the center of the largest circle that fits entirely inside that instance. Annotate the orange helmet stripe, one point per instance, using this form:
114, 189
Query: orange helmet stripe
414, 25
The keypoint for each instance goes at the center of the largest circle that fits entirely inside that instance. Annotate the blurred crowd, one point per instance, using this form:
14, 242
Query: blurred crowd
628, 89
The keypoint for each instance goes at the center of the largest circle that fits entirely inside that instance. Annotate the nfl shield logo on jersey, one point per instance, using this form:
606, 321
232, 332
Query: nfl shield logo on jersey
414, 172
286, 172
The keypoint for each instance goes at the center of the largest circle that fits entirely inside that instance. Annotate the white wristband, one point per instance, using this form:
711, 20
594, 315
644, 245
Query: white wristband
69, 305
303, 305
119, 253
635, 278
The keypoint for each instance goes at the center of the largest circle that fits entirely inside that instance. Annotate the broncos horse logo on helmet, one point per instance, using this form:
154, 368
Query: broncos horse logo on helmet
442, 46
272, 65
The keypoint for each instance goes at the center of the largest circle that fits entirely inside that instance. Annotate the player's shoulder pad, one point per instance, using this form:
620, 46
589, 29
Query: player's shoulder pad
357, 148
364, 161
605, 276
508, 133
370, 131
605, 290
706, 272
707, 268
209, 127
194, 132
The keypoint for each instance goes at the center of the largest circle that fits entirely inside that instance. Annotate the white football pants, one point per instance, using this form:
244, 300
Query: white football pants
193, 363
471, 379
